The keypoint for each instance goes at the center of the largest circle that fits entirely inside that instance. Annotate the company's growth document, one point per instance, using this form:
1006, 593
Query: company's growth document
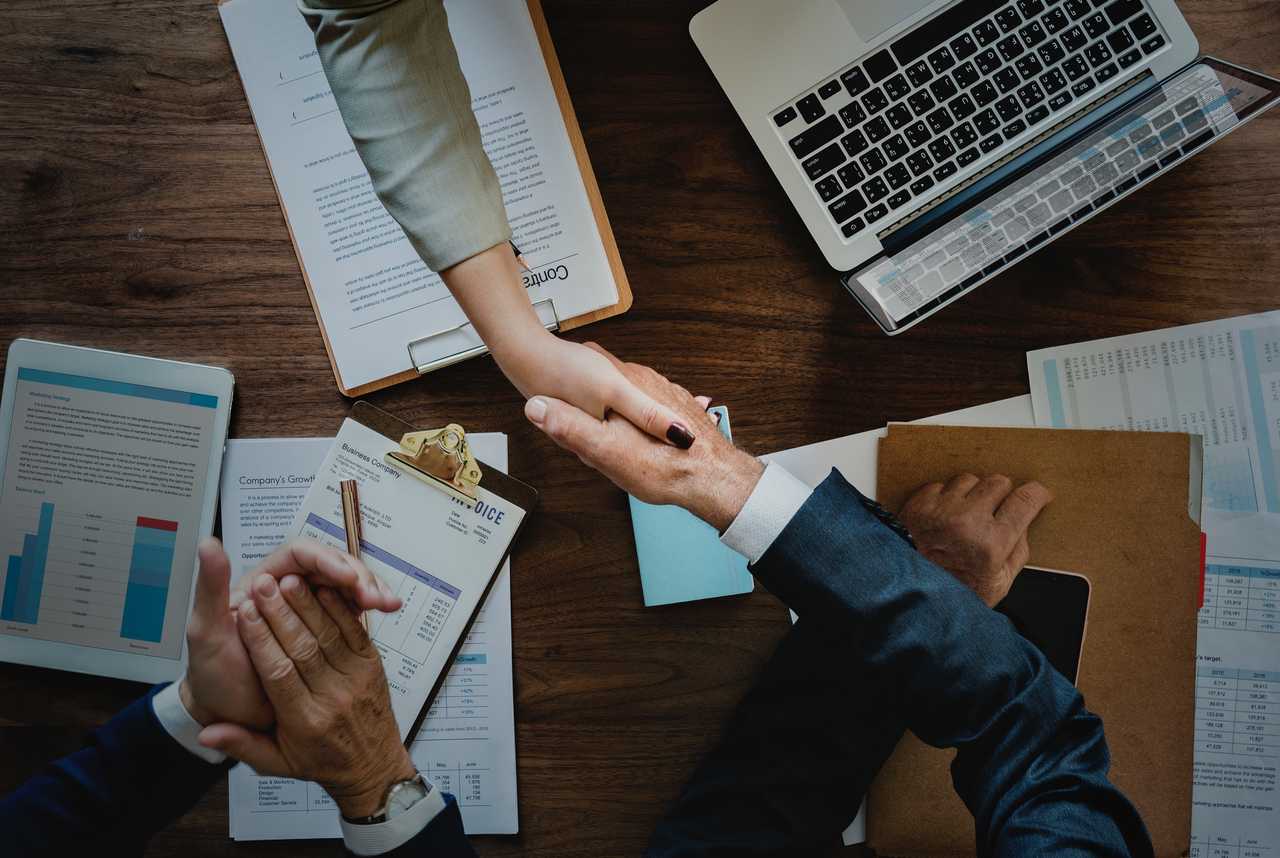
103, 489
466, 744
1220, 380
372, 293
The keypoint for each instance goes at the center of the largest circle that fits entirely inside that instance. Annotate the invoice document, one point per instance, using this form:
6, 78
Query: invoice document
1220, 380
855, 457
466, 744
371, 292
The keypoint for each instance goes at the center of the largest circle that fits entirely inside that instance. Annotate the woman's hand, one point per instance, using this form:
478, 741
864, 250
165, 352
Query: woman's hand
489, 290
582, 376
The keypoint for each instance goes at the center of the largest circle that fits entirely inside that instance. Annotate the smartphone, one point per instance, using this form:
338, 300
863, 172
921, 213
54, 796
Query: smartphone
1050, 608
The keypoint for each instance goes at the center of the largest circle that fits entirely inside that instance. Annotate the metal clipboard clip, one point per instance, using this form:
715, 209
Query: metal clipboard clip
462, 341
442, 458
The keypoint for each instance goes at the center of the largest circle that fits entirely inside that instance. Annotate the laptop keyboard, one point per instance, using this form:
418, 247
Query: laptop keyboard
1183, 117
957, 88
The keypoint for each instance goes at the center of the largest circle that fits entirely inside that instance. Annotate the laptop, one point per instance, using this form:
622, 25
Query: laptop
929, 145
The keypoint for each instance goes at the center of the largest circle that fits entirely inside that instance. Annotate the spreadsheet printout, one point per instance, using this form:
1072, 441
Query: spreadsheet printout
1220, 380
466, 744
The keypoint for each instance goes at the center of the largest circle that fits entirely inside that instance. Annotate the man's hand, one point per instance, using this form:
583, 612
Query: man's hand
712, 479
220, 684
324, 678
976, 529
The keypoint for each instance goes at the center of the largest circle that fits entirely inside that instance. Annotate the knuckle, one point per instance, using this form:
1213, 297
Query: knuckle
307, 651
316, 721
281, 670
1026, 494
651, 416
328, 638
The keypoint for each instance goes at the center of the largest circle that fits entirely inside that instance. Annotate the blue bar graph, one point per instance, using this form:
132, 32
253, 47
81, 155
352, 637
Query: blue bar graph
24, 573
154, 541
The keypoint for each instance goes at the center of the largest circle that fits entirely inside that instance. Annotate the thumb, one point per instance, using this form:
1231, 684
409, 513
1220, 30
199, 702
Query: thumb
213, 580
259, 750
651, 416
572, 428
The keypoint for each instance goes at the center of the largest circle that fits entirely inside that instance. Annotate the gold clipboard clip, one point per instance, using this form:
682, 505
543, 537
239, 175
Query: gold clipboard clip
442, 458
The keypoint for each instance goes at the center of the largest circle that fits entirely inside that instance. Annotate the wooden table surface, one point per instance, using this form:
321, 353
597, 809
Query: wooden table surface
138, 215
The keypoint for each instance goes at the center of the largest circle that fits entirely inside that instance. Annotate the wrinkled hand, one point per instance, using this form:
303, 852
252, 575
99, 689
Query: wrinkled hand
712, 479
324, 678
220, 684
976, 529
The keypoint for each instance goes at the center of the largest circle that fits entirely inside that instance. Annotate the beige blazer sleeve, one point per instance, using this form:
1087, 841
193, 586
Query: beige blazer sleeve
395, 75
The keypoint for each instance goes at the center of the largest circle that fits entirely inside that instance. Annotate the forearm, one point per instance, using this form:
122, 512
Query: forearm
488, 288
954, 672
131, 780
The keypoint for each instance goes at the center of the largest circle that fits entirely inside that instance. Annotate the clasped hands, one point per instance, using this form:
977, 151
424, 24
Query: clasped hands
283, 676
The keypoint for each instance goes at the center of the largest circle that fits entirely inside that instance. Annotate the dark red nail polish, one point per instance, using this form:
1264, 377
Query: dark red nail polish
679, 435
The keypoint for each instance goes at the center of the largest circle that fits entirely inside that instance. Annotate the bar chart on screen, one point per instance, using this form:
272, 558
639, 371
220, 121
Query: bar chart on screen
98, 578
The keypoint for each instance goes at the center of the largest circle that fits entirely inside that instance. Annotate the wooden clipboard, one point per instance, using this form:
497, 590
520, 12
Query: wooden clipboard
493, 480
593, 197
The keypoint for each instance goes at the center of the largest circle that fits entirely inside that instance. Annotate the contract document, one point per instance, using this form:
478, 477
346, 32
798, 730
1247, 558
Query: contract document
372, 294
1220, 380
466, 744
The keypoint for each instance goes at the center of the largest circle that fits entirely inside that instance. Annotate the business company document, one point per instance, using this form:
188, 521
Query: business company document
371, 292
1220, 380
466, 744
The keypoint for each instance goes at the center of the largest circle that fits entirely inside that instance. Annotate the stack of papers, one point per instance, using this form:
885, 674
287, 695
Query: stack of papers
1220, 380
466, 744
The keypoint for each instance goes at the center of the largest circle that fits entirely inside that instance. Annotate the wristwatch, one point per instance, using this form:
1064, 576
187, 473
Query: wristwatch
400, 797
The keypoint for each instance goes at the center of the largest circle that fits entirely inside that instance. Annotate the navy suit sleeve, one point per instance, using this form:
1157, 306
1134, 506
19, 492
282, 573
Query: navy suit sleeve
443, 838
1031, 761
130, 781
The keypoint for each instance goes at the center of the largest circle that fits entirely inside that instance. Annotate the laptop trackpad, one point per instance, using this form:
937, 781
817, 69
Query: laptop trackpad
870, 18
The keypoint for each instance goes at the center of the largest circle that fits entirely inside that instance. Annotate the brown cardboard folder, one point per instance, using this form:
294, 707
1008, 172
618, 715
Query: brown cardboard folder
1122, 517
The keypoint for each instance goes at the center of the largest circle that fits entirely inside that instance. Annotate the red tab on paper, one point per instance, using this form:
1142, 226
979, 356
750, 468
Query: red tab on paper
1204, 550
157, 524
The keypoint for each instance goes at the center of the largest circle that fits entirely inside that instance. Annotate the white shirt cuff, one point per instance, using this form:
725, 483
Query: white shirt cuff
773, 503
178, 723
382, 837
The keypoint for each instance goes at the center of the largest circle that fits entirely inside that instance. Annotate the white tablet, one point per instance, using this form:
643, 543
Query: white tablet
109, 469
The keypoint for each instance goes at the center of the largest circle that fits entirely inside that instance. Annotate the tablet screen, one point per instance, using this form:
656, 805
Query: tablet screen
104, 484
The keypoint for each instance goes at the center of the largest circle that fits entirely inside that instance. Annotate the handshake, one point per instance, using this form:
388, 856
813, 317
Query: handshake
975, 528
283, 676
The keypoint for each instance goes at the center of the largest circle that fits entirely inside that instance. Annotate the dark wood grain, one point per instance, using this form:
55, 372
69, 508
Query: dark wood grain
136, 213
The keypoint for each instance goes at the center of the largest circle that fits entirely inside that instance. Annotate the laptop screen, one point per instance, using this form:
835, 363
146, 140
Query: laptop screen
1011, 210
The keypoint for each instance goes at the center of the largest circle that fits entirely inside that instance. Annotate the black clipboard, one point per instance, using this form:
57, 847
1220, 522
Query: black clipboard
508, 488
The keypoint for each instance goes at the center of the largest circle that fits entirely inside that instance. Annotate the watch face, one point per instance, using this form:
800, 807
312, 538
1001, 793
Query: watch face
405, 795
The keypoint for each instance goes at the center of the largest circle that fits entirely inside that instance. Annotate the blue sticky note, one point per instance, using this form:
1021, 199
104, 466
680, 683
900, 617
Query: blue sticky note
681, 556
